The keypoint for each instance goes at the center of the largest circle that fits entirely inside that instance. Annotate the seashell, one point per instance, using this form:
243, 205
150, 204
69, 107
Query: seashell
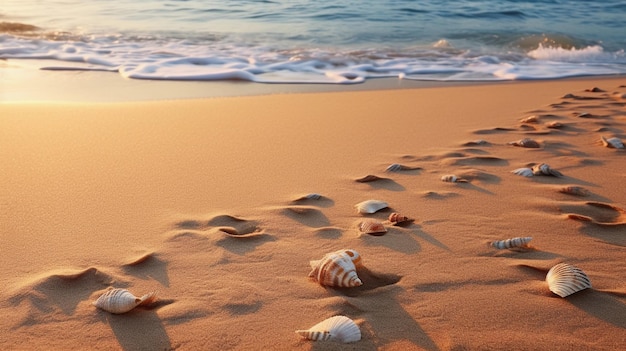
530, 119
526, 142
525, 172
396, 167
554, 125
575, 190
121, 300
585, 115
451, 178
311, 196
514, 243
544, 169
337, 328
478, 142
594, 90
396, 218
565, 279
614, 143
372, 227
337, 269
370, 206
369, 178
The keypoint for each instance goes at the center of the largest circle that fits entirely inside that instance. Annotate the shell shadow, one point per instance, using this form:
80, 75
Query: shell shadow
387, 184
601, 305
322, 201
395, 239
309, 216
138, 330
371, 281
242, 246
148, 266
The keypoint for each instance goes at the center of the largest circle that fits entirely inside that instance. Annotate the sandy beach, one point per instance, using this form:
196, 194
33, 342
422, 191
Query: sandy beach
204, 201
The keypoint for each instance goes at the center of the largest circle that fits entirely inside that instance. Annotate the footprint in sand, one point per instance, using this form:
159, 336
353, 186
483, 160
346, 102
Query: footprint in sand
599, 213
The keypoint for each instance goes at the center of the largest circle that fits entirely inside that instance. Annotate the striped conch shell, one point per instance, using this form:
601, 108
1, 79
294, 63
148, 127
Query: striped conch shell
513, 243
370, 206
337, 328
526, 142
544, 169
524, 172
614, 143
396, 218
337, 269
121, 300
451, 178
565, 279
372, 227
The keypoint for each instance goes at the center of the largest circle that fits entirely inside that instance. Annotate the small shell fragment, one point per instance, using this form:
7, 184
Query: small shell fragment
513, 243
337, 328
565, 279
554, 125
369, 178
337, 269
370, 206
545, 169
396, 167
121, 300
311, 196
526, 142
451, 178
372, 227
575, 190
396, 218
614, 143
530, 119
524, 172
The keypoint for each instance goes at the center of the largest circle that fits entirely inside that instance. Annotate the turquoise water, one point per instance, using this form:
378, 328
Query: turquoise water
339, 42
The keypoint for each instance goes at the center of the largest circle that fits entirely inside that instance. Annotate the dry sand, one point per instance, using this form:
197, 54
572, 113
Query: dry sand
195, 199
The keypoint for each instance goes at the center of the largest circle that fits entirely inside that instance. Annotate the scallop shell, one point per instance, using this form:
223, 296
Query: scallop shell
565, 279
370, 206
525, 172
121, 300
396, 218
337, 328
451, 178
575, 190
614, 143
396, 167
526, 142
544, 169
337, 269
372, 227
513, 243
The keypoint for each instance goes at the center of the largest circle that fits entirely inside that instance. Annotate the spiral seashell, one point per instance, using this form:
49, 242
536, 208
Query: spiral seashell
526, 142
613, 143
396, 167
513, 243
337, 328
396, 218
544, 169
575, 190
524, 172
372, 227
451, 178
370, 206
337, 269
565, 279
121, 300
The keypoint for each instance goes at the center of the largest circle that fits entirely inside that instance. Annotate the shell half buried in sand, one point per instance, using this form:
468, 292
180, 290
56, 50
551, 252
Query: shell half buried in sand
565, 279
121, 300
513, 243
545, 169
370, 206
372, 227
451, 178
575, 190
613, 143
337, 328
526, 142
396, 167
398, 219
524, 172
337, 269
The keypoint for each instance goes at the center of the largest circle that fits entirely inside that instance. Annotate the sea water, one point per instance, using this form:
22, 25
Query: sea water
301, 41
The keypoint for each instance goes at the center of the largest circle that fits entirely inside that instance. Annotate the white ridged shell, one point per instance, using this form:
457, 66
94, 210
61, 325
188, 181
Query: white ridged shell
511, 243
121, 300
337, 269
614, 143
337, 328
370, 206
565, 279
451, 178
524, 172
545, 169
372, 226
